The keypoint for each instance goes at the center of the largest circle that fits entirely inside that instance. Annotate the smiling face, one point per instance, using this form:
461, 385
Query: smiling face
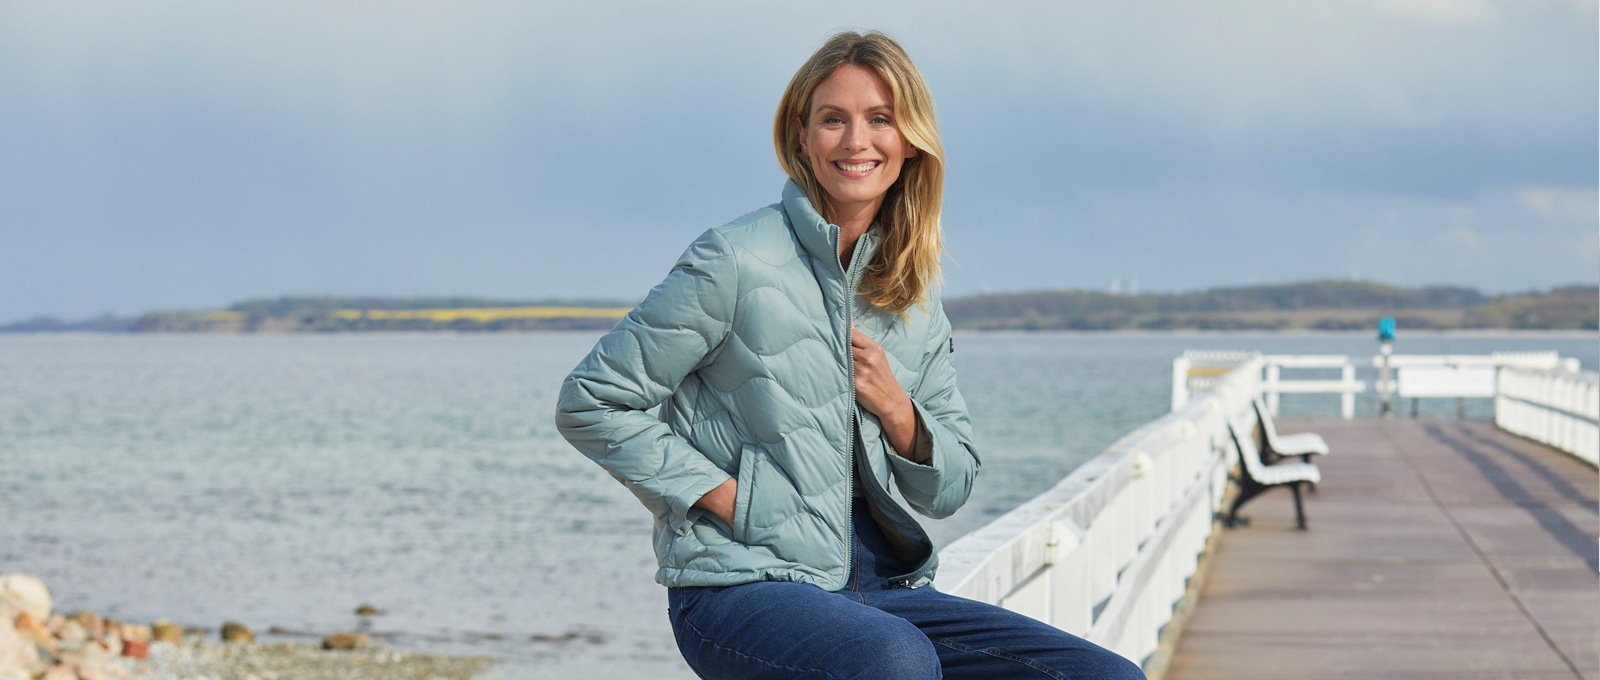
850, 137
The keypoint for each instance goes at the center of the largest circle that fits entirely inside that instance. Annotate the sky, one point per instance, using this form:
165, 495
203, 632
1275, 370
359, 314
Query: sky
167, 155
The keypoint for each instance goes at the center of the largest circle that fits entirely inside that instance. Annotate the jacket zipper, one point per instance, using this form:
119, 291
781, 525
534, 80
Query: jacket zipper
850, 440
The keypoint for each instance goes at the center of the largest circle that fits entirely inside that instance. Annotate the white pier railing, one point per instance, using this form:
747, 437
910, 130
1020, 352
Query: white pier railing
1557, 407
1416, 375
1197, 371
1346, 386
1106, 553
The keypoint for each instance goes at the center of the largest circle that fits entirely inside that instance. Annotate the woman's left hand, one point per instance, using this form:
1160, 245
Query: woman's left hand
879, 391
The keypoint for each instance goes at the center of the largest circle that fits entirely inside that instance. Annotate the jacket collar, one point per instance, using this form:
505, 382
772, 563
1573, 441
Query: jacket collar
816, 235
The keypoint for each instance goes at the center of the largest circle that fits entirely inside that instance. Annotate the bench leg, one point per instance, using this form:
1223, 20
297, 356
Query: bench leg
1248, 489
1299, 509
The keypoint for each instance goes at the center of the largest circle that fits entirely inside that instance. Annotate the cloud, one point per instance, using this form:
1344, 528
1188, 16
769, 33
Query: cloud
1203, 235
414, 147
1443, 11
1570, 203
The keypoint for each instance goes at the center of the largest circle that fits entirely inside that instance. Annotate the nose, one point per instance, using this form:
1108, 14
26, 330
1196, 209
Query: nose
855, 138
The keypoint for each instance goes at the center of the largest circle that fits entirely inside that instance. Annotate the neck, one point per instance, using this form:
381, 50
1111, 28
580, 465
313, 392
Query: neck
853, 221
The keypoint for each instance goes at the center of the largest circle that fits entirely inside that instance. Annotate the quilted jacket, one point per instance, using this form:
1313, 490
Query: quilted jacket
745, 346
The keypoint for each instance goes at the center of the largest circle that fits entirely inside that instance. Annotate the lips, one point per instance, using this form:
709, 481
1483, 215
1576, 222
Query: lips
856, 168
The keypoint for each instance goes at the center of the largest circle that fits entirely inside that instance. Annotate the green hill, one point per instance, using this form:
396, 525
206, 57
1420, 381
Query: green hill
1319, 305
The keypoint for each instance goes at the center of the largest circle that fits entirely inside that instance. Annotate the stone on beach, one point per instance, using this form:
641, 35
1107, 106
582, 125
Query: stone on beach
59, 673
91, 657
32, 631
133, 632
165, 631
27, 593
367, 610
17, 654
346, 641
136, 649
112, 642
233, 631
72, 635
55, 623
91, 622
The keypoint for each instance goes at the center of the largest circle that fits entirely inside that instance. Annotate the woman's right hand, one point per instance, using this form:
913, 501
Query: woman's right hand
720, 500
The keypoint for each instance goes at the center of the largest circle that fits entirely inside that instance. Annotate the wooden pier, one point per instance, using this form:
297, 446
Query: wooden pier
1437, 549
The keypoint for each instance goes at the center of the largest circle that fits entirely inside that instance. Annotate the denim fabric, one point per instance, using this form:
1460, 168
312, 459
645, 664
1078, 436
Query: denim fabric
869, 629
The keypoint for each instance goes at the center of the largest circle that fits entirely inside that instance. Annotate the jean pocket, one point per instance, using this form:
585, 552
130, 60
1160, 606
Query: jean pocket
679, 601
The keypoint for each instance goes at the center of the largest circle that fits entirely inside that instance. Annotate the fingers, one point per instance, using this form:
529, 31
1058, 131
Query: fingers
859, 339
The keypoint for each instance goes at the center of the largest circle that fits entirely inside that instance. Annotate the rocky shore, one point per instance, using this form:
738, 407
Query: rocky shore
38, 643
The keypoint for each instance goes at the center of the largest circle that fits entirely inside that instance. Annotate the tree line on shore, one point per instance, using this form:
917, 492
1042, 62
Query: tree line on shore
1312, 305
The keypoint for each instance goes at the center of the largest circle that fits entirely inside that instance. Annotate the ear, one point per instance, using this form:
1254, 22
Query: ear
802, 127
911, 152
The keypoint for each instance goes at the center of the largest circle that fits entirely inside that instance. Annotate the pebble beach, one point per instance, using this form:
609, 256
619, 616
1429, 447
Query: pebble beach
38, 643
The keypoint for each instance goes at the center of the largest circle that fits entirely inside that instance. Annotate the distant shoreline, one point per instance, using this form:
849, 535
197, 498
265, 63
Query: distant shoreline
959, 332
1305, 307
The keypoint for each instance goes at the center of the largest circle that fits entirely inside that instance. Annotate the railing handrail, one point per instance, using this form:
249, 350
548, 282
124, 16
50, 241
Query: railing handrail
1544, 360
1196, 370
1580, 376
1308, 360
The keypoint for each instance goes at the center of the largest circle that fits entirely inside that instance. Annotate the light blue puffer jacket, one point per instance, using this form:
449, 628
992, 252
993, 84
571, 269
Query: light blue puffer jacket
746, 348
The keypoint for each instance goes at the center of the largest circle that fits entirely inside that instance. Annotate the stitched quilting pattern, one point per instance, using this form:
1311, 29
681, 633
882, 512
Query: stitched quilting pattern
745, 347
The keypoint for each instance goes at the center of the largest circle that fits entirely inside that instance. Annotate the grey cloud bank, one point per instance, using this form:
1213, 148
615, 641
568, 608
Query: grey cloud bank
191, 154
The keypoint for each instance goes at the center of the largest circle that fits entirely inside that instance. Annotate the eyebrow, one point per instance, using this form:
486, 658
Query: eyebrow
828, 107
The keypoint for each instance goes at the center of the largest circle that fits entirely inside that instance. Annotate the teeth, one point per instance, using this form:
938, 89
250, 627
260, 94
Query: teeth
858, 167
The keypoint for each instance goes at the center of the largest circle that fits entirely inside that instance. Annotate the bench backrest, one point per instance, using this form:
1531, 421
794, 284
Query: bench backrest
1249, 457
1268, 430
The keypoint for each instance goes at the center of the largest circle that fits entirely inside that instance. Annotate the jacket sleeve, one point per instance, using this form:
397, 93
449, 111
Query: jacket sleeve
602, 407
946, 461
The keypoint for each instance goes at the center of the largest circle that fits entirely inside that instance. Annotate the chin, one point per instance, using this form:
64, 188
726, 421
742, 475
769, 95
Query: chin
858, 194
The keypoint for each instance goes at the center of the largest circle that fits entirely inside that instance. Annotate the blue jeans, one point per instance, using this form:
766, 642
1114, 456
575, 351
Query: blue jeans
870, 630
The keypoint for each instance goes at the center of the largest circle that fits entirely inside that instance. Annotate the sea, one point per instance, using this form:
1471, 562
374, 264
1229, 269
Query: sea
283, 480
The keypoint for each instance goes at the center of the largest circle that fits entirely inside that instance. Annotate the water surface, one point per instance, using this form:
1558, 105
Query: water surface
283, 480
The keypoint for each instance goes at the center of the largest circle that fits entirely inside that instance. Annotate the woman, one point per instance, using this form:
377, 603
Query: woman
801, 360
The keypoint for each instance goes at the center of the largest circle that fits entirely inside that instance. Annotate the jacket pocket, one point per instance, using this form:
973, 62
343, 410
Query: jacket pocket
748, 455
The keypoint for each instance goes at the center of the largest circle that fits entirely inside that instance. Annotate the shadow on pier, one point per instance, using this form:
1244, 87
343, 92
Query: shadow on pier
1437, 549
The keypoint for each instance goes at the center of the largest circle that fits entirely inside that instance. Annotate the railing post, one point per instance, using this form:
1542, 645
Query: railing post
1272, 389
1347, 400
1180, 382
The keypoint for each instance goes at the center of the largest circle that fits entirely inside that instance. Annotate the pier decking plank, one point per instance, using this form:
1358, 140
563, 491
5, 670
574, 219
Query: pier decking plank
1414, 528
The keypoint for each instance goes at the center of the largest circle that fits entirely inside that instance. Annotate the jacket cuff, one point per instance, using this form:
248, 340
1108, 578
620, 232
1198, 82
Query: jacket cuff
923, 454
921, 474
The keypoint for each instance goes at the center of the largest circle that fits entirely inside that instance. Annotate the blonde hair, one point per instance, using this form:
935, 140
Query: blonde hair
907, 264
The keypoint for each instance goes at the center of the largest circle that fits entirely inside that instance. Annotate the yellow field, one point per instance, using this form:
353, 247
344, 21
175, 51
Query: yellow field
484, 314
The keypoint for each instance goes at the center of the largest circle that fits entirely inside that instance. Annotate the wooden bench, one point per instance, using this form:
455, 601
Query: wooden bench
1256, 477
